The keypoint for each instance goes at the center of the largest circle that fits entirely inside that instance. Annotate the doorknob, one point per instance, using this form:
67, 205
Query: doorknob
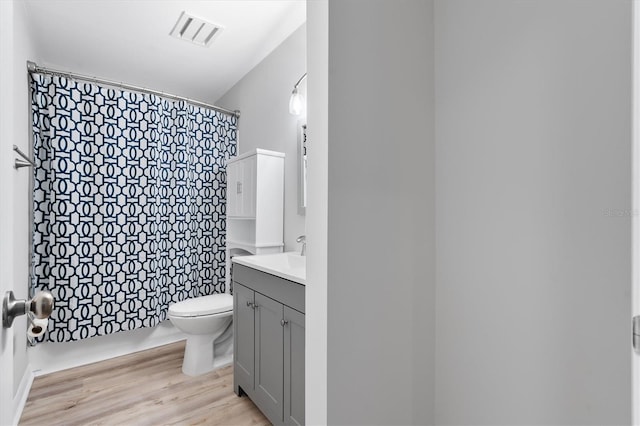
41, 305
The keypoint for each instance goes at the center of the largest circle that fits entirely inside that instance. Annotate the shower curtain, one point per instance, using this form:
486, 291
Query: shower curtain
129, 204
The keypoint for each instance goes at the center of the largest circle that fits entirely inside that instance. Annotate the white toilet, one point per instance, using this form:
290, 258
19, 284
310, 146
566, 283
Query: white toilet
206, 321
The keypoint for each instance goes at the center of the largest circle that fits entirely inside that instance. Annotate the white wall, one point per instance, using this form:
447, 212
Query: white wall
16, 48
262, 96
533, 146
381, 217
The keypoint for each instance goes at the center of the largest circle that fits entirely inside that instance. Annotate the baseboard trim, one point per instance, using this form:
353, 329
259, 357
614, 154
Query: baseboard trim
20, 399
49, 357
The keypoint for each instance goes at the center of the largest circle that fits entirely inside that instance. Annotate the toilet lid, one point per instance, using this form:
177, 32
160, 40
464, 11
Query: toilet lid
204, 305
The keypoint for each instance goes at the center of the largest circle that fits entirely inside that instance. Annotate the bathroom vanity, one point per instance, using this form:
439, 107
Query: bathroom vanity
269, 330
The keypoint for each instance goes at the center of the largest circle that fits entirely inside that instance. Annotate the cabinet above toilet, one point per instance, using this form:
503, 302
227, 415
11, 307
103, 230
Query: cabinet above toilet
255, 199
255, 203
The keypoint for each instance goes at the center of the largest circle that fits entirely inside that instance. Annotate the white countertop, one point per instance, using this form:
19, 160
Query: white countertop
290, 266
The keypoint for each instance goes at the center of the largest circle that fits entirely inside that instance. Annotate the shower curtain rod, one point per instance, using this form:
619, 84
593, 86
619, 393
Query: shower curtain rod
32, 67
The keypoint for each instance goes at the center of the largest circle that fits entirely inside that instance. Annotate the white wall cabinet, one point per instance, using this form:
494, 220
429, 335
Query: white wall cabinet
241, 188
255, 204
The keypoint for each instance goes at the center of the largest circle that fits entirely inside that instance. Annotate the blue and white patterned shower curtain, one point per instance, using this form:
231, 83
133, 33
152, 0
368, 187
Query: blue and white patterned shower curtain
129, 204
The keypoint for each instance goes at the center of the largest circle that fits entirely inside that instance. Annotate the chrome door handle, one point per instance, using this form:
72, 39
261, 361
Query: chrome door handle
41, 306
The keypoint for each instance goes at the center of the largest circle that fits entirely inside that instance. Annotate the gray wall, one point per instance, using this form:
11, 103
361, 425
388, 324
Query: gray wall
262, 96
533, 147
381, 214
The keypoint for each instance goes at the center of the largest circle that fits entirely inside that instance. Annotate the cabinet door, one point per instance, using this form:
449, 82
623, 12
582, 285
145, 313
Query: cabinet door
249, 170
232, 180
269, 357
243, 334
293, 367
241, 188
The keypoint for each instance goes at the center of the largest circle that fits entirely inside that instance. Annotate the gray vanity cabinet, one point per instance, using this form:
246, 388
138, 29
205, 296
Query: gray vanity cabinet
269, 343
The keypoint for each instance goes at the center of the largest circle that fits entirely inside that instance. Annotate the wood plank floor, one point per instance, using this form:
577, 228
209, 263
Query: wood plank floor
145, 388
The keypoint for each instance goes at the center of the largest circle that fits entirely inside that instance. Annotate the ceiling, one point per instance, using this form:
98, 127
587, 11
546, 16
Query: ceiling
129, 41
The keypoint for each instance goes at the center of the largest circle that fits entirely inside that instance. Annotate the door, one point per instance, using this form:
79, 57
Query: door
293, 367
269, 339
241, 188
243, 333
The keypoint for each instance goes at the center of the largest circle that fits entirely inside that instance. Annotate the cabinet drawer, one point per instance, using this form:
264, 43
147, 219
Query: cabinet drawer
287, 292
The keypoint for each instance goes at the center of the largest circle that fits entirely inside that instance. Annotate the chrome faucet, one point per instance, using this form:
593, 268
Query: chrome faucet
302, 239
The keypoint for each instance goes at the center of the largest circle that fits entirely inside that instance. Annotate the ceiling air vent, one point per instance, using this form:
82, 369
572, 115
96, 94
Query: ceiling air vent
196, 30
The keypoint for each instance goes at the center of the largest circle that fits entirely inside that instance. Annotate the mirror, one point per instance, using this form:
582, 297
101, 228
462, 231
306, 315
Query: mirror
302, 168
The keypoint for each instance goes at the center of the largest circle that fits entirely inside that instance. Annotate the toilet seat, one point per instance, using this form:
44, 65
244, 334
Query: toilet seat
204, 305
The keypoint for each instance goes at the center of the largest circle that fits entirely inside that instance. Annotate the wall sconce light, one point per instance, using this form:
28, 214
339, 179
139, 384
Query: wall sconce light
297, 102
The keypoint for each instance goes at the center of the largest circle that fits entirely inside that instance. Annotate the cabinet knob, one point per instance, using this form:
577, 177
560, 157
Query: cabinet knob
284, 322
251, 304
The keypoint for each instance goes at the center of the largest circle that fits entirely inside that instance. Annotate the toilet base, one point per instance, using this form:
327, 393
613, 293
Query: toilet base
198, 355
206, 352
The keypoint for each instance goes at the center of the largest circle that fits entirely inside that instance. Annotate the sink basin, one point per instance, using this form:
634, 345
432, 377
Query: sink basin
296, 261
290, 266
